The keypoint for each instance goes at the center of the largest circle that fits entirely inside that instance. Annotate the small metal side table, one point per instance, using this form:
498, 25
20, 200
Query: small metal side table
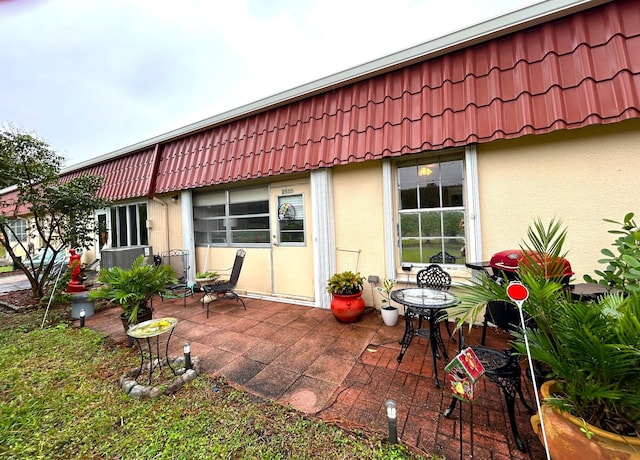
426, 303
148, 330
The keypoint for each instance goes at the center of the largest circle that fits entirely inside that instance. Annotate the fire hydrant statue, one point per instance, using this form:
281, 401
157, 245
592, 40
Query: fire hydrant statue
81, 306
75, 284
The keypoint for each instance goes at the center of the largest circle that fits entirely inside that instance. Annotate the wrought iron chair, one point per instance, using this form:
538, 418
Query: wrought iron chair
502, 367
435, 277
442, 258
178, 259
225, 288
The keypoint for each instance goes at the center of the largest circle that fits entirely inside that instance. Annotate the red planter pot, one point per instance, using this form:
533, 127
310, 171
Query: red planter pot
347, 308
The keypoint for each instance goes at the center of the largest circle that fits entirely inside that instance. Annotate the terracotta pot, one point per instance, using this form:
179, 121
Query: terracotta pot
347, 308
567, 442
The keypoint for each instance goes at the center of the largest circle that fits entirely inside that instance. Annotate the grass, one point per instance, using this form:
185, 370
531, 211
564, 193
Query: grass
411, 252
60, 398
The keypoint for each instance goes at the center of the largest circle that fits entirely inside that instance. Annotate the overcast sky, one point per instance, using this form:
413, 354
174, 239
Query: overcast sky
91, 77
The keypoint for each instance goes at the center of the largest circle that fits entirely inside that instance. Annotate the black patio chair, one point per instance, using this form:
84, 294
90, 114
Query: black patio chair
434, 277
178, 260
442, 258
221, 289
502, 367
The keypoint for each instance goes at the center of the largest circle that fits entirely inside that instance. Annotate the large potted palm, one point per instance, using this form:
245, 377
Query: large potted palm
132, 289
592, 402
589, 353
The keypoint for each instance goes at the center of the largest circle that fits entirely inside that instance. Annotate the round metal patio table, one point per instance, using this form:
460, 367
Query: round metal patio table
424, 302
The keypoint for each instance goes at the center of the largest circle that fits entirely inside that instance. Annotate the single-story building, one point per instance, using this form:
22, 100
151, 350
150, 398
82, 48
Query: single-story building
444, 152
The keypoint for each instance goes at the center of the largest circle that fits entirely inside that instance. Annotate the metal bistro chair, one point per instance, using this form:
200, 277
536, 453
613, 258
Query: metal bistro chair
178, 259
442, 258
225, 288
502, 367
435, 277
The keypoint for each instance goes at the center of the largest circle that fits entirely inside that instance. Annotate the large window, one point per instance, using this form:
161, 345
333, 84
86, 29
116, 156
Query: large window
18, 230
128, 225
431, 210
232, 217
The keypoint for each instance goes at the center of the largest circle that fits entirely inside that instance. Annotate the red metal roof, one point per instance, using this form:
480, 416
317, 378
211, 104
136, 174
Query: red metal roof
572, 72
8, 206
130, 176
569, 73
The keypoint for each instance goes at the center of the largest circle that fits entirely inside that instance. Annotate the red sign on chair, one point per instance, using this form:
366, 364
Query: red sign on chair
462, 373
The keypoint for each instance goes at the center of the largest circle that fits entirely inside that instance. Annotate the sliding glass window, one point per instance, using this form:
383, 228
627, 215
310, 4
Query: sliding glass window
232, 217
128, 224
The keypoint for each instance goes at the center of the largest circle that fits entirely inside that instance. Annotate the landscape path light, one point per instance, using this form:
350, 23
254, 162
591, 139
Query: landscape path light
392, 418
187, 356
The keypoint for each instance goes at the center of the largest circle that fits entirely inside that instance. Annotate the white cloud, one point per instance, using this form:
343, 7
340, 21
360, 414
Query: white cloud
91, 77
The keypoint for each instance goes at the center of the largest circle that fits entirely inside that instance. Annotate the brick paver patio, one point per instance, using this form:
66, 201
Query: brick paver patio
301, 356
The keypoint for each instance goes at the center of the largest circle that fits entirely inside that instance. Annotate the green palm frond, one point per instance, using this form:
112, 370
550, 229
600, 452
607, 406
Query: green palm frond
133, 288
474, 296
591, 348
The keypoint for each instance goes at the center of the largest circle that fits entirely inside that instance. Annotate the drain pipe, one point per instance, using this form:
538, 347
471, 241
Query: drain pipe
166, 216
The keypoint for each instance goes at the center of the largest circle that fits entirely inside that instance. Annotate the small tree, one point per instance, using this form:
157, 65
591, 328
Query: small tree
60, 213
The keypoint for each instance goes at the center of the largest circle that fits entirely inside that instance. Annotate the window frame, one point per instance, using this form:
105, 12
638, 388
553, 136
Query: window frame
300, 212
17, 234
441, 209
231, 201
128, 225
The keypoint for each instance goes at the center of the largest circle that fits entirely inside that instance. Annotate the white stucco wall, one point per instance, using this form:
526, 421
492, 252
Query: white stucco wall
357, 192
580, 176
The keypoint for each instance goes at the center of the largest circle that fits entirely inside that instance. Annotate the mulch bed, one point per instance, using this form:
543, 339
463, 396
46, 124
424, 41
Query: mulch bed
22, 298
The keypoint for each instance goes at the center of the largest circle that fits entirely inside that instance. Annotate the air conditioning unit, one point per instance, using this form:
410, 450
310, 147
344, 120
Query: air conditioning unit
124, 257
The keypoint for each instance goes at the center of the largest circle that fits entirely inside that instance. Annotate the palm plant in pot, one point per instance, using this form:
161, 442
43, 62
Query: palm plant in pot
347, 304
589, 353
132, 289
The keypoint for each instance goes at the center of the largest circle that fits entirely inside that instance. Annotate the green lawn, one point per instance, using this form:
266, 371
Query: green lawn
411, 251
60, 398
